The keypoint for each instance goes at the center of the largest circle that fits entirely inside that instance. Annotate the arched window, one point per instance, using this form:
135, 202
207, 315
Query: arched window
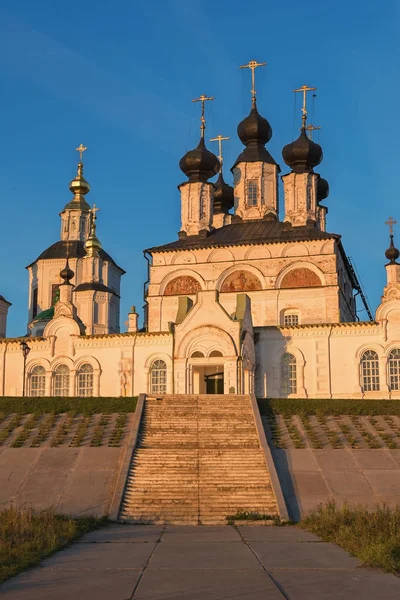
288, 374
197, 354
370, 371
394, 369
85, 380
215, 353
158, 377
61, 381
37, 381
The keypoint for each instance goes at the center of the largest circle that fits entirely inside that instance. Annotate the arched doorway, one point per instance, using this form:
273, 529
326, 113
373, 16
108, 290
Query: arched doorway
206, 373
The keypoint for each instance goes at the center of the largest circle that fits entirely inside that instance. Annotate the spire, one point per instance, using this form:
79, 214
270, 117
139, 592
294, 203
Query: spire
254, 131
79, 186
67, 273
223, 193
200, 164
303, 154
392, 253
93, 244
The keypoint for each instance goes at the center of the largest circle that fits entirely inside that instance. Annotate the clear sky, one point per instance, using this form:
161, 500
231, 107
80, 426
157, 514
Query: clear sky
120, 76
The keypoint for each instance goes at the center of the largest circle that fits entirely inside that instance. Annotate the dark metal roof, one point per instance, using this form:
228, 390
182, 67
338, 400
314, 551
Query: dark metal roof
4, 300
248, 232
76, 249
93, 285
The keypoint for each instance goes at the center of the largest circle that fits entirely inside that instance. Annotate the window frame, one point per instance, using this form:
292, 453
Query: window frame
85, 374
393, 370
253, 194
369, 371
158, 377
61, 373
289, 374
37, 390
291, 316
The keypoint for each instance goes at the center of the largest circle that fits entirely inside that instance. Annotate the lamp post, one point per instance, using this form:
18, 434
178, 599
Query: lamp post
25, 351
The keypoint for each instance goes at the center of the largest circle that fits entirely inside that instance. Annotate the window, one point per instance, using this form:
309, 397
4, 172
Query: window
158, 377
35, 303
61, 381
370, 371
290, 319
85, 380
288, 374
55, 293
394, 369
252, 192
38, 381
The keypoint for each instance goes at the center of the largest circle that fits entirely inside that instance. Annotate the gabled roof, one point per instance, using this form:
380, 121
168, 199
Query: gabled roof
248, 233
72, 249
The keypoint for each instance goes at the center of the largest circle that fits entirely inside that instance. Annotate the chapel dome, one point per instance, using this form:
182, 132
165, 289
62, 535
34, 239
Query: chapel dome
392, 253
322, 189
303, 154
223, 196
254, 129
199, 164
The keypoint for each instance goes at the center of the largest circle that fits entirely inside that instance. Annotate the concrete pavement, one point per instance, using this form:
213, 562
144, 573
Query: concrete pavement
122, 562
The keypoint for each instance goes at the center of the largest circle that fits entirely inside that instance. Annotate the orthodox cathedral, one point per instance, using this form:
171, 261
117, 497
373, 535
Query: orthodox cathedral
245, 300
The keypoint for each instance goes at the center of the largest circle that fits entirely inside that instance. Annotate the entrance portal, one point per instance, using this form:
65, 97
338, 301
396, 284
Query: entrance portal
207, 379
215, 383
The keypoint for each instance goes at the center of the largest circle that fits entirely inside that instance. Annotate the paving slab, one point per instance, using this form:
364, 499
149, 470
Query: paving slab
49, 584
309, 484
194, 533
360, 584
86, 492
203, 555
276, 534
100, 557
375, 459
384, 482
303, 555
210, 584
123, 534
349, 483
57, 458
335, 459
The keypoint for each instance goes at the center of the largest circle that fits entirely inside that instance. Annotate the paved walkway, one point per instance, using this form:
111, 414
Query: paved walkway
124, 562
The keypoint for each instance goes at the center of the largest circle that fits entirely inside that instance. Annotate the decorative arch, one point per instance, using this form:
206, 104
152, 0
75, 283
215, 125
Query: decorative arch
235, 269
241, 281
327, 247
179, 280
300, 274
258, 252
43, 362
205, 339
295, 250
183, 258
62, 360
378, 348
220, 255
157, 355
87, 359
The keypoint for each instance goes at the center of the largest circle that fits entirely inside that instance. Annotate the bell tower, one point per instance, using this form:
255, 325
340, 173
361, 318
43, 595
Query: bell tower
75, 218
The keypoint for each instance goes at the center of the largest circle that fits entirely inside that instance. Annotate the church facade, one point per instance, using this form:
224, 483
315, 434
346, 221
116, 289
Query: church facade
245, 300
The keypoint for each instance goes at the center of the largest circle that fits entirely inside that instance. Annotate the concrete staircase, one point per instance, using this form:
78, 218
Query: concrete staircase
198, 460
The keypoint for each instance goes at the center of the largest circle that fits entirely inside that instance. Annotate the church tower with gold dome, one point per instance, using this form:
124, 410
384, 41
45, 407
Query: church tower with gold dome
97, 277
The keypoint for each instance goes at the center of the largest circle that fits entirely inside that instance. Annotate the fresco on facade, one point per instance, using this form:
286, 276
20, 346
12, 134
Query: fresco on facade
241, 281
182, 285
300, 278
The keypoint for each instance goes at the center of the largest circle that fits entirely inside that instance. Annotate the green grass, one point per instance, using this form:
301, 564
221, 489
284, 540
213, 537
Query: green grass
373, 535
292, 406
26, 536
84, 406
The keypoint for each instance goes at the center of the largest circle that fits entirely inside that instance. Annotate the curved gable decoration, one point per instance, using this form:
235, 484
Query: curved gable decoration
300, 278
241, 281
184, 285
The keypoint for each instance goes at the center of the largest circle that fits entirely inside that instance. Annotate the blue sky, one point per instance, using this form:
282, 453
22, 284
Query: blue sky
119, 77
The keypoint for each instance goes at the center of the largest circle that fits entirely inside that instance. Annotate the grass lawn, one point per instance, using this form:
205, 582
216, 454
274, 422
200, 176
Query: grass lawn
83, 406
309, 406
373, 536
26, 536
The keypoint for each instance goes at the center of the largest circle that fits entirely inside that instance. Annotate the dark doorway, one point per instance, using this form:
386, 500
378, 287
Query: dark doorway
214, 383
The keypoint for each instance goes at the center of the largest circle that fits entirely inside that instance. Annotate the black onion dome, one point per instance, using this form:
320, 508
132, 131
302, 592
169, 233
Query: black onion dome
199, 164
322, 189
303, 154
254, 132
223, 196
67, 273
254, 129
392, 253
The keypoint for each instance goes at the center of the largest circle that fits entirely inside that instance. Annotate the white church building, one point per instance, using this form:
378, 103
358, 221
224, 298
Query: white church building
244, 300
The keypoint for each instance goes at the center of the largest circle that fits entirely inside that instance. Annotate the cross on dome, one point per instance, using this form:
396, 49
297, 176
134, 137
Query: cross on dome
252, 65
390, 222
203, 98
219, 139
81, 149
304, 89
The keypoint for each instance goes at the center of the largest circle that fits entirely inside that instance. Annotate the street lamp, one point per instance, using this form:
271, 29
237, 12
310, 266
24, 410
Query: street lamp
25, 351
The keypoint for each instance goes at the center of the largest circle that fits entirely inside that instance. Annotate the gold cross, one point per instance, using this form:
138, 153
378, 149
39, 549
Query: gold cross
219, 139
203, 98
390, 222
310, 128
253, 64
94, 211
304, 89
81, 149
